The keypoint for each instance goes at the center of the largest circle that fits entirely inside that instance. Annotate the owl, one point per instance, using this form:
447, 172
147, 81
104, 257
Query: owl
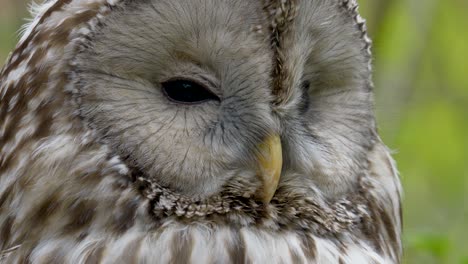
201, 131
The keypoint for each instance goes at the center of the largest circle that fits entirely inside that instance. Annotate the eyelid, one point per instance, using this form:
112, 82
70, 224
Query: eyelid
211, 85
181, 78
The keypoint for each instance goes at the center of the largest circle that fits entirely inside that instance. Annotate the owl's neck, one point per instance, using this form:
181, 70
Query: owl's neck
237, 205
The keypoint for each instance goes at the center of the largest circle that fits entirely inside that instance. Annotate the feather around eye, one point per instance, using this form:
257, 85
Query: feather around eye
185, 91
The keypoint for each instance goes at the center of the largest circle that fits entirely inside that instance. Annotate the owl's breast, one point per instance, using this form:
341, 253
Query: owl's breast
202, 244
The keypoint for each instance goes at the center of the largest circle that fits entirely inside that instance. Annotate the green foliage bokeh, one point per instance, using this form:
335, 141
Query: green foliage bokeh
421, 85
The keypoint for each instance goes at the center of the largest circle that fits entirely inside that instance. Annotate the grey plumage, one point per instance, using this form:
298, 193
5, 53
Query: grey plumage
100, 164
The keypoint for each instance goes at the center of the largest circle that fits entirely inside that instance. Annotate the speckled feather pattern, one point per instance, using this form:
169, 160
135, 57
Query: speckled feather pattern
65, 197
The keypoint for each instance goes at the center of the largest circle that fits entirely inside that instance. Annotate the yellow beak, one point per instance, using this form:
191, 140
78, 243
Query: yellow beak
270, 161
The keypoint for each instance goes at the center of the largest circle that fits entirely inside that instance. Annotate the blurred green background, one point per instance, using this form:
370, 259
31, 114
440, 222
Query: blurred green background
421, 80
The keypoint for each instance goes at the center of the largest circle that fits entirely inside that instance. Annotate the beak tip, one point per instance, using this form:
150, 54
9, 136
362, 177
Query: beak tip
271, 162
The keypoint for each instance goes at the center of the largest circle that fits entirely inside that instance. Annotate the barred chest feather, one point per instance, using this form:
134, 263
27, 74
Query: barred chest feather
177, 243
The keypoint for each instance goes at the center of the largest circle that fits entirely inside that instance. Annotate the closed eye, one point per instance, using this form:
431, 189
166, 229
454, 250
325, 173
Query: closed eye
305, 102
184, 91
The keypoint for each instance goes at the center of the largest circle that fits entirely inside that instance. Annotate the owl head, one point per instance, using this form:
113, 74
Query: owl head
197, 94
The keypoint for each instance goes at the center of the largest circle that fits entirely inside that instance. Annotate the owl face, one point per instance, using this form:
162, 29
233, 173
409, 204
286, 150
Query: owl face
197, 93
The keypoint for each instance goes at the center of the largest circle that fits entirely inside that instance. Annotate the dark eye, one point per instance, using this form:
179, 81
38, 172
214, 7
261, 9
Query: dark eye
187, 92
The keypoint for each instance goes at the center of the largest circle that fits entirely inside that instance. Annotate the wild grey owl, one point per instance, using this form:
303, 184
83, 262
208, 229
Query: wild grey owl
194, 131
